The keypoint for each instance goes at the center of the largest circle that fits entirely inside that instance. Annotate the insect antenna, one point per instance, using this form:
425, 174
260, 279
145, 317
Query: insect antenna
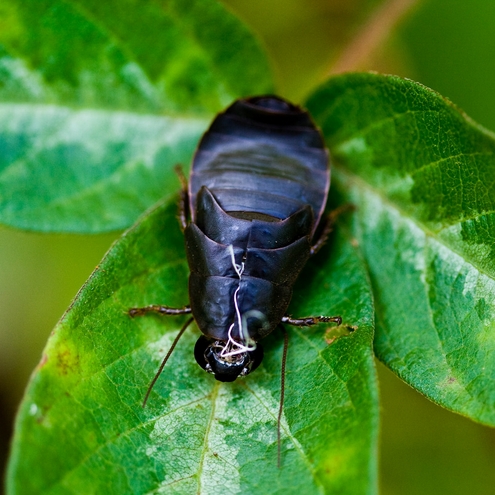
282, 392
164, 362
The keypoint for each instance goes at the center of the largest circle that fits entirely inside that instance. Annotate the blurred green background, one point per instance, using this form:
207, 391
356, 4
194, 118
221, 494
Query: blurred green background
448, 45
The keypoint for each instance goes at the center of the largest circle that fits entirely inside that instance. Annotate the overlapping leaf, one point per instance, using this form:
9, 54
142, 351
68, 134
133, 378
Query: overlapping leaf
74, 157
423, 178
81, 428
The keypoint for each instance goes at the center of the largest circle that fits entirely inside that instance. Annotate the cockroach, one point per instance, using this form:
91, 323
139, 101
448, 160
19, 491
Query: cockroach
257, 191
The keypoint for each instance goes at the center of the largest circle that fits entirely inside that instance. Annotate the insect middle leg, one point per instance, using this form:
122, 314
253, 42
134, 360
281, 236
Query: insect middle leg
162, 310
311, 320
329, 224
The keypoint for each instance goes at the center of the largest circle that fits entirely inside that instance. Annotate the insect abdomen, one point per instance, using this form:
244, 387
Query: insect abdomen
262, 155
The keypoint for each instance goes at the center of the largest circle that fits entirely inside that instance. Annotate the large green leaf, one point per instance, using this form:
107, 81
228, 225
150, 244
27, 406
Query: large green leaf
137, 55
422, 176
74, 157
87, 170
81, 427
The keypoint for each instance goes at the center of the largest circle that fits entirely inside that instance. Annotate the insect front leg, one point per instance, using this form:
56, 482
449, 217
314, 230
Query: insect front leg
162, 310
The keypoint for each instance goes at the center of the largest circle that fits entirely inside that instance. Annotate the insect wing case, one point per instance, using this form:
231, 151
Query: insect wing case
262, 155
258, 186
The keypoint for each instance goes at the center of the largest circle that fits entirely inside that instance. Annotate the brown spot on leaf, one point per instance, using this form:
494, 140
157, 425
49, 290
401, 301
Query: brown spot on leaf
67, 361
333, 333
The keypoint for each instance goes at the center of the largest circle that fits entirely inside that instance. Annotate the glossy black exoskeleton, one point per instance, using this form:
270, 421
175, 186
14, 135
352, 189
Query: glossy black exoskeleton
258, 187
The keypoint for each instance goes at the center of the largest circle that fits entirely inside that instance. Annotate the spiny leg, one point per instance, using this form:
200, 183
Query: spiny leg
311, 320
327, 229
162, 310
164, 362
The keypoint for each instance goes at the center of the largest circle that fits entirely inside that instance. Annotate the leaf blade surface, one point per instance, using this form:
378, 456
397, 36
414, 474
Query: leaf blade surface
99, 101
421, 174
196, 434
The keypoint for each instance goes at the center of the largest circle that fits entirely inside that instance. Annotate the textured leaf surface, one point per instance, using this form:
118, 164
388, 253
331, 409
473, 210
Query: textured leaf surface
147, 55
87, 170
74, 157
81, 428
422, 176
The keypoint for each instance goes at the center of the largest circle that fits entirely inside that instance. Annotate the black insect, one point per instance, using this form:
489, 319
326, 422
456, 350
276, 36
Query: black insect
257, 191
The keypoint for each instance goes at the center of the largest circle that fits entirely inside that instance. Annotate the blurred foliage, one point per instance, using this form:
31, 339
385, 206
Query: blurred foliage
445, 44
87, 53
304, 38
426, 450
39, 277
83, 89
450, 47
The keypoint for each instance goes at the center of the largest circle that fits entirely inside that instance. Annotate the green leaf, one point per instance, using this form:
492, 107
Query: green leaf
148, 56
81, 427
87, 170
84, 87
422, 176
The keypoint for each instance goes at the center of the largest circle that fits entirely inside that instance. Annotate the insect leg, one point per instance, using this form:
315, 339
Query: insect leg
163, 310
311, 320
183, 201
329, 224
